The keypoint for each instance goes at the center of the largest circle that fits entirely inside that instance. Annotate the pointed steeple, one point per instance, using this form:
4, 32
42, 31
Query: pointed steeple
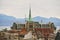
30, 14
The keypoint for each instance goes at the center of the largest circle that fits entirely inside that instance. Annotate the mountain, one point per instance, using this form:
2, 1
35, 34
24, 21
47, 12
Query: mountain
39, 19
6, 20
55, 20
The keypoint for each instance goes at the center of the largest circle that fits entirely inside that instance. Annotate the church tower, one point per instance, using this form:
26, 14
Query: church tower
29, 22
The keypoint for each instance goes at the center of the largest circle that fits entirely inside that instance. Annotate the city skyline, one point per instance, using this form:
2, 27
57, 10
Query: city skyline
18, 8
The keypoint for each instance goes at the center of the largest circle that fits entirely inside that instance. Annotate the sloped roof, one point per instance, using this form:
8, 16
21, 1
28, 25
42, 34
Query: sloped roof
23, 31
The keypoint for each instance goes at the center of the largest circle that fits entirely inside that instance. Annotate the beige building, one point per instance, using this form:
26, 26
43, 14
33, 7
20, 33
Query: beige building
8, 36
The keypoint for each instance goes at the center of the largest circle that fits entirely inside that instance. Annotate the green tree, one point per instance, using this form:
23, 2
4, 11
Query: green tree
14, 26
5, 29
57, 36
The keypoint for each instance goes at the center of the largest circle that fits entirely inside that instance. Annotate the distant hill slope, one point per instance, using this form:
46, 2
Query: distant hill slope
55, 20
6, 20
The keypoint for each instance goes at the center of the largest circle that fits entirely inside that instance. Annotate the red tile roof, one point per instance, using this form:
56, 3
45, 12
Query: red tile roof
23, 31
44, 31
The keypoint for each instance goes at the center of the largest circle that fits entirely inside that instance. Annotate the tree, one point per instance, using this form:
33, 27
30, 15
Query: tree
5, 29
57, 36
14, 26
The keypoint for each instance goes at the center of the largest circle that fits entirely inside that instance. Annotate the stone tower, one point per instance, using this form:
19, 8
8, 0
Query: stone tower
29, 24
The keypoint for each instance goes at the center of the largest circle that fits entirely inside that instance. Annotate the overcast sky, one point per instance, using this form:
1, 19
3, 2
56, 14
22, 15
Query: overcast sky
18, 8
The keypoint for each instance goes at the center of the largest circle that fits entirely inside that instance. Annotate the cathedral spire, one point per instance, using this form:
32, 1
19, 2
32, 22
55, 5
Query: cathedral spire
30, 13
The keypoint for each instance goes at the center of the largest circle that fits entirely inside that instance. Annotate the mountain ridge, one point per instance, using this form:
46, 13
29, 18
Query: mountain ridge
6, 20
